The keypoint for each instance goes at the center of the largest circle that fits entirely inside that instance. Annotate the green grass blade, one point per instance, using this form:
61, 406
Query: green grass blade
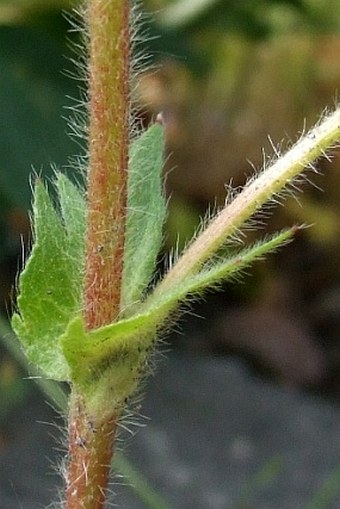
139, 484
265, 476
53, 390
327, 493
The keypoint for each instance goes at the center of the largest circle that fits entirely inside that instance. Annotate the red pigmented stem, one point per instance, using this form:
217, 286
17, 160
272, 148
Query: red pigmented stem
92, 437
90, 456
109, 65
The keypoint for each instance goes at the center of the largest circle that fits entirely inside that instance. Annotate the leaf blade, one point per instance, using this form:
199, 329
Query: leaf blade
216, 272
49, 289
107, 363
146, 212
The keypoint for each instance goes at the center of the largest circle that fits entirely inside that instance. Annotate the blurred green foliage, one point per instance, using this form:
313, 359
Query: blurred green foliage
13, 387
34, 87
34, 90
32, 97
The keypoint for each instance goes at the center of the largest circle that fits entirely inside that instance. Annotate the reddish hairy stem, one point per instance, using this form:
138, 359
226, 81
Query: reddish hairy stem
90, 456
109, 65
91, 438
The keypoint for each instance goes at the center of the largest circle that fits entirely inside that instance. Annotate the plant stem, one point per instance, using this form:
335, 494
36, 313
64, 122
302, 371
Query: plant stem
254, 195
109, 67
90, 456
92, 438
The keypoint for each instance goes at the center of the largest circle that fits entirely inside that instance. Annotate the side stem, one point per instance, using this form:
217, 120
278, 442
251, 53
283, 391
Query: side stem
253, 196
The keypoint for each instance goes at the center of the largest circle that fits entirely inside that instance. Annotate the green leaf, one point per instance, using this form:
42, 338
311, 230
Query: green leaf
49, 289
107, 363
146, 213
184, 11
247, 17
214, 273
73, 211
